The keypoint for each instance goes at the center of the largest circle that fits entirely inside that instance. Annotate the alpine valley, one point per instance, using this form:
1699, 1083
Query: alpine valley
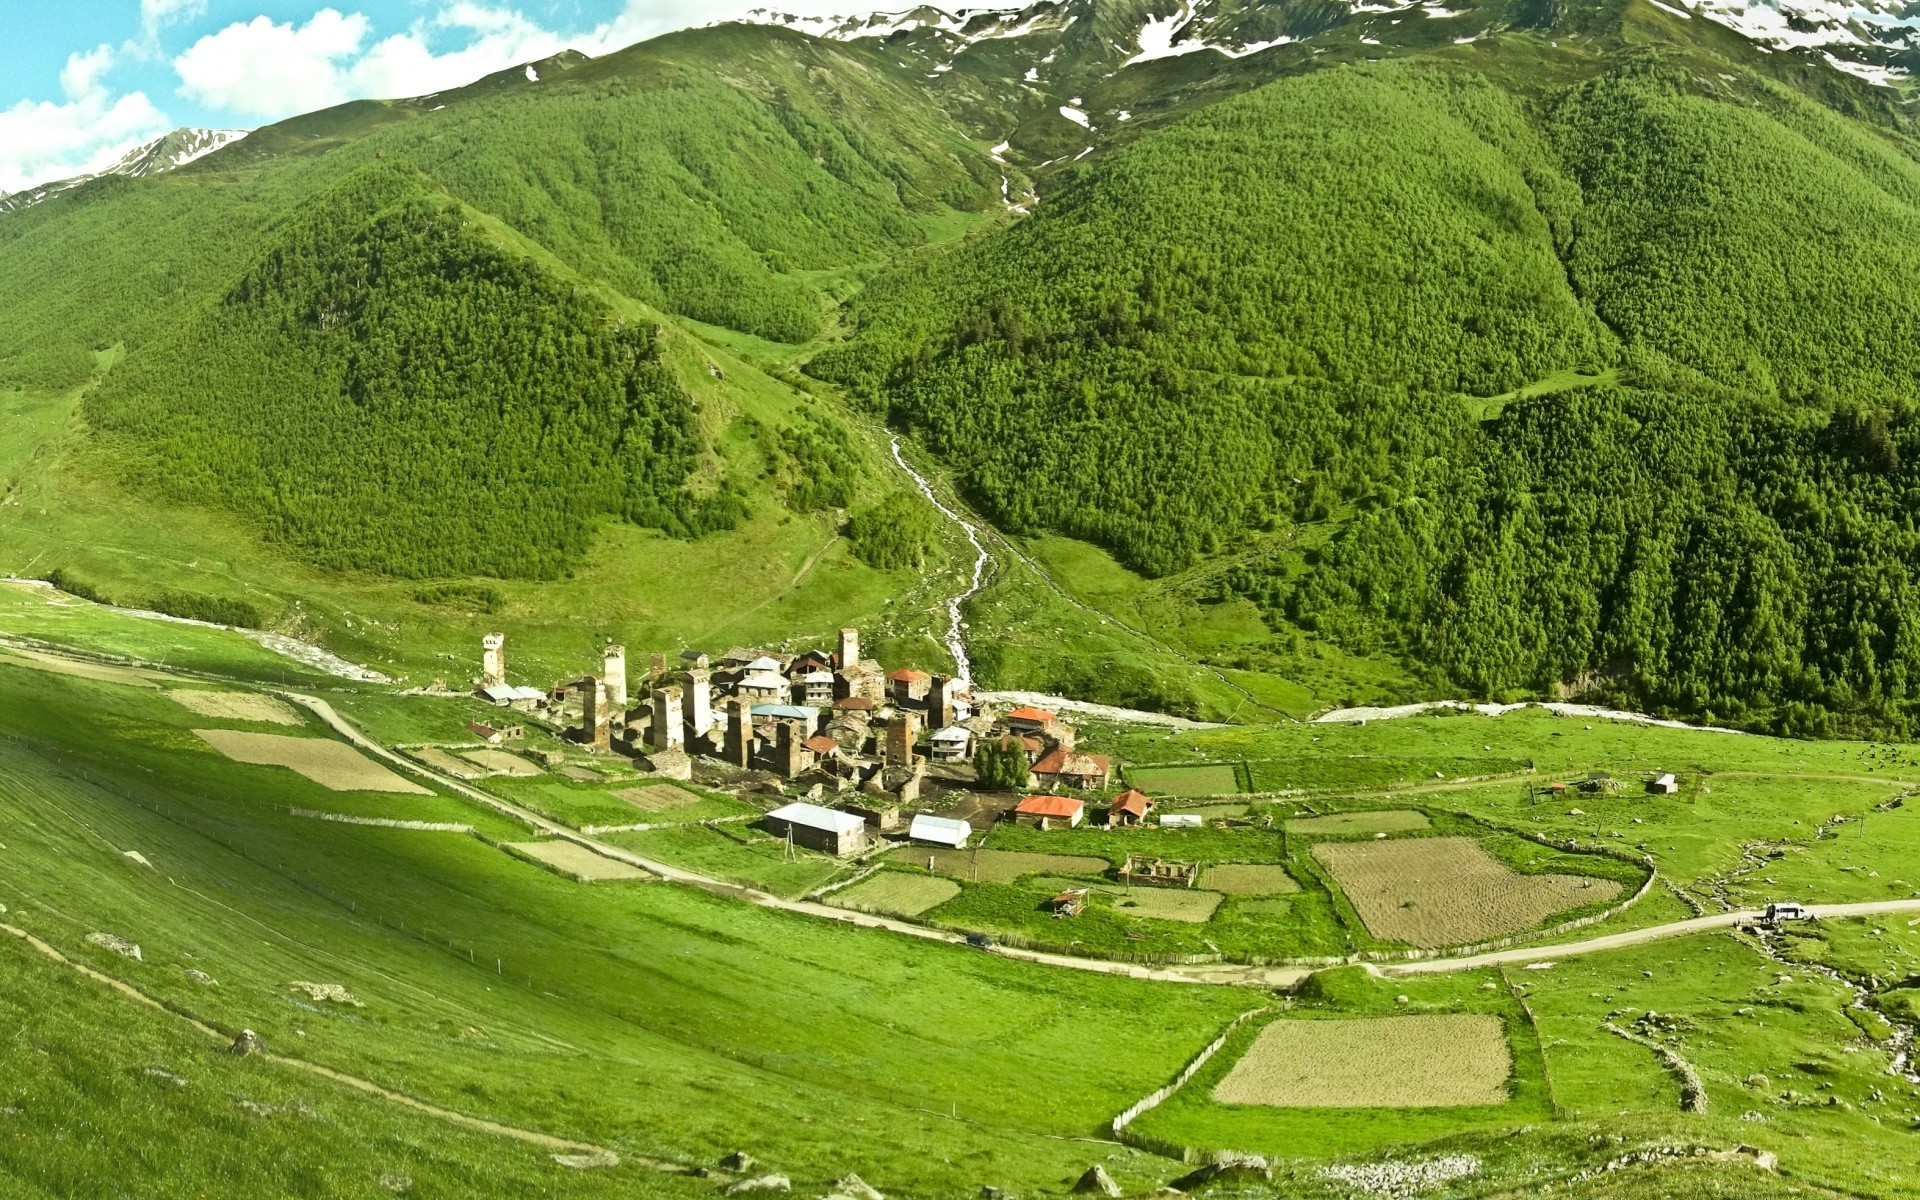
1259, 385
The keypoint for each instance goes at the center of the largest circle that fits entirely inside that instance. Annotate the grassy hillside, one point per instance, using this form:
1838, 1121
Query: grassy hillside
674, 1026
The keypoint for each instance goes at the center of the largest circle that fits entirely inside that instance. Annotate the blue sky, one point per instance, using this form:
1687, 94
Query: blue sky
84, 81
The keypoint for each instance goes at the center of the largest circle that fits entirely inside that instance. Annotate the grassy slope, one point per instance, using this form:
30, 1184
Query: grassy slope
802, 1031
668, 997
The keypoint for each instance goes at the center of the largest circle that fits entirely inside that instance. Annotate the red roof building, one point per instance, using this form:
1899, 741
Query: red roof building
1048, 811
1130, 807
1064, 766
1025, 719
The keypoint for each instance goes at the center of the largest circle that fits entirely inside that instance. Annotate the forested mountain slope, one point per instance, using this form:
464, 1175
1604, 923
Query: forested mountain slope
1267, 333
1526, 347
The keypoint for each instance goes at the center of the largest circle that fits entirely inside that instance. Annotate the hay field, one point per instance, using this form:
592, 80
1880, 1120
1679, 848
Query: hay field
1393, 820
328, 763
1448, 891
1248, 879
1200, 779
655, 797
440, 760
502, 763
998, 866
572, 859
234, 706
1193, 906
1442, 1060
33, 660
896, 893
1168, 904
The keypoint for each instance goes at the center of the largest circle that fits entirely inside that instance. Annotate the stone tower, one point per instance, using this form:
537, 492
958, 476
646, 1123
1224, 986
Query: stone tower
849, 654
493, 660
666, 732
790, 749
596, 715
698, 704
656, 670
740, 733
940, 703
902, 732
615, 662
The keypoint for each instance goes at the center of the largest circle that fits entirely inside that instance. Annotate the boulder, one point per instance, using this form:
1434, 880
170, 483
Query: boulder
855, 1188
1228, 1167
739, 1161
1096, 1182
760, 1183
115, 943
248, 1043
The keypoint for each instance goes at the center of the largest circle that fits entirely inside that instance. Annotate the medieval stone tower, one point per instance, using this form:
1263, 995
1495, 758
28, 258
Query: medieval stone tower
596, 724
849, 648
902, 732
493, 660
740, 733
698, 704
666, 732
615, 674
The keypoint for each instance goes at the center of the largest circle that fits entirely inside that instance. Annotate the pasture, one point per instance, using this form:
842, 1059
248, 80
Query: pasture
1436, 1060
1249, 879
1351, 824
235, 706
1431, 892
328, 763
997, 866
1205, 779
896, 893
575, 861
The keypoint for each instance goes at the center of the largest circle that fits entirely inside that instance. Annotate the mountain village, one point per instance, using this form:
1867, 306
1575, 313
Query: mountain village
872, 755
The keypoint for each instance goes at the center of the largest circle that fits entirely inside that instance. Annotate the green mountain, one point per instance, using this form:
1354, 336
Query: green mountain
1502, 351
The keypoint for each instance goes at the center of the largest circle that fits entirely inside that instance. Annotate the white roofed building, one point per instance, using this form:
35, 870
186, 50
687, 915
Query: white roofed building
824, 829
940, 831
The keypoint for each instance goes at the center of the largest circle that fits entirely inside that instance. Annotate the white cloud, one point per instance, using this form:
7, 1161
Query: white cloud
268, 69
155, 13
261, 68
41, 141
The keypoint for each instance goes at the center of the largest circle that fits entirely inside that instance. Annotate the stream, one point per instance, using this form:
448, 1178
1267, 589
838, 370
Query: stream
956, 643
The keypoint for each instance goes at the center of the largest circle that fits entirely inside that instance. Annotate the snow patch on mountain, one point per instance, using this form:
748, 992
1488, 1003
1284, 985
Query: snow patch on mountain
169, 152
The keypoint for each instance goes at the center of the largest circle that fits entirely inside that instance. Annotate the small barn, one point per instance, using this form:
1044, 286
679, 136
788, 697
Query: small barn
1130, 808
1070, 903
817, 828
952, 744
1048, 812
940, 831
1064, 767
1664, 785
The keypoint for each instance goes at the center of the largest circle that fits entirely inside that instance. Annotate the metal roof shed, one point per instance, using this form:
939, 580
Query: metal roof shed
940, 831
824, 829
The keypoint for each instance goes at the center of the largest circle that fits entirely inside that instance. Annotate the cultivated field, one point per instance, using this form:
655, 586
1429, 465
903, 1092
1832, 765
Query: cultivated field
328, 763
577, 861
501, 763
1193, 906
656, 797
998, 866
440, 760
1202, 779
897, 893
1448, 891
131, 676
1168, 904
1248, 879
1380, 1062
1392, 820
234, 706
